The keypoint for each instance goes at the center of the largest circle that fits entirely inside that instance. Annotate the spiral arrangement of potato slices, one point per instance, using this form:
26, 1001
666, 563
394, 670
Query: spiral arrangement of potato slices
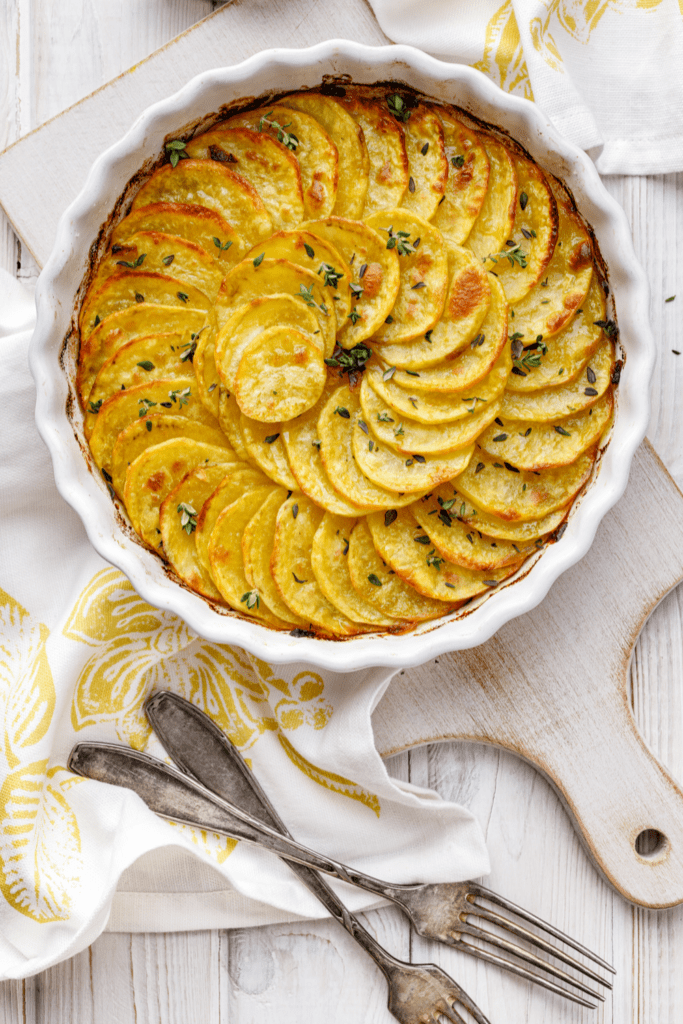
346, 361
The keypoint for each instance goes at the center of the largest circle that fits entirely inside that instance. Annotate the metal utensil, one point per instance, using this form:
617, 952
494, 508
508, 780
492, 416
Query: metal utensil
418, 993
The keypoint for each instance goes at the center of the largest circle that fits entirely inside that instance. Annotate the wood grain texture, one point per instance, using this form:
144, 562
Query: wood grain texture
295, 973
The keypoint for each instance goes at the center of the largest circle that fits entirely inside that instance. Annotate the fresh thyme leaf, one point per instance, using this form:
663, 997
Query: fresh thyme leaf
420, 284
188, 517
259, 260
188, 354
422, 540
176, 151
139, 297
145, 405
670, 299
288, 139
94, 407
146, 364
399, 432
297, 578
458, 161
375, 580
514, 254
411, 184
363, 426
354, 317
523, 200
132, 264
400, 242
180, 396
168, 260
389, 373
561, 430
425, 149
271, 438
310, 251
222, 246
251, 599
435, 560
398, 107
384, 417
608, 326
182, 296
343, 412
356, 290
390, 516
331, 276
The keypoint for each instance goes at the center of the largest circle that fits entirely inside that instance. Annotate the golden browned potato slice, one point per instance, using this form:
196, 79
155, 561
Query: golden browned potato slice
513, 494
154, 429
352, 154
155, 473
423, 263
520, 531
164, 254
214, 185
406, 435
139, 321
258, 541
178, 396
380, 586
393, 471
432, 407
376, 275
329, 558
227, 564
557, 403
405, 546
159, 356
229, 416
467, 303
237, 481
196, 224
335, 430
129, 287
313, 253
428, 166
204, 364
534, 232
466, 368
281, 374
468, 178
313, 148
265, 163
178, 522
535, 446
496, 218
254, 280
265, 447
460, 543
562, 358
297, 521
389, 170
551, 304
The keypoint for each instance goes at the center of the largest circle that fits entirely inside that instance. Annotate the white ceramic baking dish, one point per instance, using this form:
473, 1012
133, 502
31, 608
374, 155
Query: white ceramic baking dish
271, 71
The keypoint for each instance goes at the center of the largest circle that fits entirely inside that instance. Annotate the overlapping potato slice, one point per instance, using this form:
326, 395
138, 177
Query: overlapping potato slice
178, 396
380, 586
154, 474
406, 435
427, 163
227, 564
423, 264
183, 505
405, 546
496, 217
129, 287
389, 171
196, 224
236, 481
154, 429
315, 254
376, 275
335, 431
315, 151
468, 178
214, 185
159, 356
297, 521
329, 559
460, 543
250, 280
551, 304
164, 254
520, 531
138, 321
562, 358
281, 374
466, 368
535, 446
534, 232
391, 470
467, 303
265, 163
258, 541
354, 165
204, 365
513, 494
264, 444
430, 406
556, 403
229, 418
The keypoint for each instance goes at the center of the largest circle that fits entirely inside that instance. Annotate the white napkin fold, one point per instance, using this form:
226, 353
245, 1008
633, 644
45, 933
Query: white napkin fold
608, 73
79, 654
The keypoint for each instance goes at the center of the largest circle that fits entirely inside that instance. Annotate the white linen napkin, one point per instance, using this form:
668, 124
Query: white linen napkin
79, 654
608, 73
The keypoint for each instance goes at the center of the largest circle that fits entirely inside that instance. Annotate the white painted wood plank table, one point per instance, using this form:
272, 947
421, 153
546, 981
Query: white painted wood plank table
51, 55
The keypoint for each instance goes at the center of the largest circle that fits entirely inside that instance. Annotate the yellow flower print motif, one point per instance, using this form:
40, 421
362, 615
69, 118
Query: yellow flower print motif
337, 783
503, 59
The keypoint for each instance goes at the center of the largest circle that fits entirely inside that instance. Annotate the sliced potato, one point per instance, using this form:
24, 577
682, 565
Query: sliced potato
496, 217
556, 403
229, 418
428, 165
393, 471
468, 178
237, 480
265, 447
389, 171
164, 254
196, 224
493, 526
204, 364
258, 541
281, 374
129, 287
424, 275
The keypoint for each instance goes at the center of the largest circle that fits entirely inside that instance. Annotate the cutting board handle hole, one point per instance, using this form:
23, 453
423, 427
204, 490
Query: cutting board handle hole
651, 844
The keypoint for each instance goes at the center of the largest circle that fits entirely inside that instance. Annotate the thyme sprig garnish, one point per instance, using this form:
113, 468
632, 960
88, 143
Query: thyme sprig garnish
132, 264
514, 254
350, 361
180, 395
398, 108
176, 151
331, 276
288, 139
251, 599
188, 517
399, 241
307, 295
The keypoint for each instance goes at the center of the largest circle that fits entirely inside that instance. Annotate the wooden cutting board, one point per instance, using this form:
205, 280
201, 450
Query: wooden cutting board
550, 686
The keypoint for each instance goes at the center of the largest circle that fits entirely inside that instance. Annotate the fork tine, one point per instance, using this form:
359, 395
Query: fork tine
493, 897
472, 1007
538, 941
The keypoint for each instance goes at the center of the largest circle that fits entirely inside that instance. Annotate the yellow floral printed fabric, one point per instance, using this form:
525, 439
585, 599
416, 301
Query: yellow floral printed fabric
606, 72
